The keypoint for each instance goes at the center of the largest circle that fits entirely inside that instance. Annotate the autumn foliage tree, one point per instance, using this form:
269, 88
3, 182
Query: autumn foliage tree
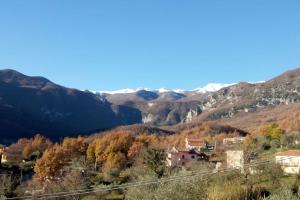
111, 150
50, 164
141, 143
36, 145
249, 143
26, 148
15, 151
74, 146
134, 149
273, 132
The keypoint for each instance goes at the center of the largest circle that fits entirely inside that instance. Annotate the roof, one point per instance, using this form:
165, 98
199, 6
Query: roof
289, 153
195, 142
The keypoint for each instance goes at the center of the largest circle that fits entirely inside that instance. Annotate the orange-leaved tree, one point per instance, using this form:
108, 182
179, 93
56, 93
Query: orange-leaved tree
36, 145
107, 150
74, 147
49, 166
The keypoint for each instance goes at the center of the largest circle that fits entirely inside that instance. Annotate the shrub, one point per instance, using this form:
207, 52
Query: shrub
282, 194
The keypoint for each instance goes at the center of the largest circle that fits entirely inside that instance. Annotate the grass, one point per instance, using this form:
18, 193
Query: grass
287, 180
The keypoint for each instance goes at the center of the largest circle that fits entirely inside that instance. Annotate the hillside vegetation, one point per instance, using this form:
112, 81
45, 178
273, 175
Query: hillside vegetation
110, 165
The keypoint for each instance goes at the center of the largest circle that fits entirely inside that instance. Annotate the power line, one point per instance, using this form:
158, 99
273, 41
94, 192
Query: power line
128, 184
123, 186
191, 174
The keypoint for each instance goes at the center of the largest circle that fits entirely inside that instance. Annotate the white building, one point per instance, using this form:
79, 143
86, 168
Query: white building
194, 144
235, 160
289, 161
3, 158
234, 140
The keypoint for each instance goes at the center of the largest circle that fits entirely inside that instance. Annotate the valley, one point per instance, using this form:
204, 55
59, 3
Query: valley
65, 143
30, 105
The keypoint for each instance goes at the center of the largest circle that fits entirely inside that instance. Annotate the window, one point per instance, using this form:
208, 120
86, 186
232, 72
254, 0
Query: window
193, 157
182, 156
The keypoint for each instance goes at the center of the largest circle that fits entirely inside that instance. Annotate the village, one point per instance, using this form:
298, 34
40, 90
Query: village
242, 155
199, 151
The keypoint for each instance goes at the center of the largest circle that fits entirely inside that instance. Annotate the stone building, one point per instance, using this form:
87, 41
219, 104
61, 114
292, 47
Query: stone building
234, 140
289, 161
181, 157
235, 160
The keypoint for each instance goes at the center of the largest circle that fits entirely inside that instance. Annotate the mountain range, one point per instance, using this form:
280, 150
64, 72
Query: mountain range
211, 87
30, 105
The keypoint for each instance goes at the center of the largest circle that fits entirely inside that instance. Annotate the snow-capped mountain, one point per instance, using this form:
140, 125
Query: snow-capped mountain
122, 91
211, 87
60, 111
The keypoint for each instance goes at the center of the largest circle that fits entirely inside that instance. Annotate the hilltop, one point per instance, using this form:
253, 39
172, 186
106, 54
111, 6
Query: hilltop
30, 105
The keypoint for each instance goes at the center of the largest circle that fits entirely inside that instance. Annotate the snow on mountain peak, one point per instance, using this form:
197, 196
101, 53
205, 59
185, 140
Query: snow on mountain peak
128, 90
124, 91
212, 87
179, 91
162, 90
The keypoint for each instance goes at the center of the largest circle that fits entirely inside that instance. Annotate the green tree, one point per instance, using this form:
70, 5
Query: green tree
155, 160
274, 132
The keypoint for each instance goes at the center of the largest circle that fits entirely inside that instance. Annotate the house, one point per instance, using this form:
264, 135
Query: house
194, 144
235, 160
3, 157
289, 161
234, 140
180, 157
1, 153
199, 145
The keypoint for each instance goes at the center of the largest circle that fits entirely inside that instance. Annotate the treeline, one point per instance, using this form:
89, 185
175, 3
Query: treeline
121, 157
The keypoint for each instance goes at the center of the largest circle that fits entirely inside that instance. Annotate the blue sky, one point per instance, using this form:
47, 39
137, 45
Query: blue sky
108, 45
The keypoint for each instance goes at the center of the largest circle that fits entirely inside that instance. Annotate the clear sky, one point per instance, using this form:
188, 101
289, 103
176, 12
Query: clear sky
108, 45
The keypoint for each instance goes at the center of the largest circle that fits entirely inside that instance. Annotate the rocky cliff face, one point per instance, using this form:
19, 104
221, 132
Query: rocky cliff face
165, 108
29, 105
160, 108
245, 97
166, 113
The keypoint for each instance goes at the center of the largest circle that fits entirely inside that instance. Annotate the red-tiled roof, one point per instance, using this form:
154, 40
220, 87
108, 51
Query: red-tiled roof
289, 153
195, 142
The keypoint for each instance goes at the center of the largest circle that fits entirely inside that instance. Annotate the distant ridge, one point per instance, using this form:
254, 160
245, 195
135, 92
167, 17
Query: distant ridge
32, 104
211, 87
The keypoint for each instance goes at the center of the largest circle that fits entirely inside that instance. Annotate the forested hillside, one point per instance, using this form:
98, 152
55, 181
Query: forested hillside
130, 163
